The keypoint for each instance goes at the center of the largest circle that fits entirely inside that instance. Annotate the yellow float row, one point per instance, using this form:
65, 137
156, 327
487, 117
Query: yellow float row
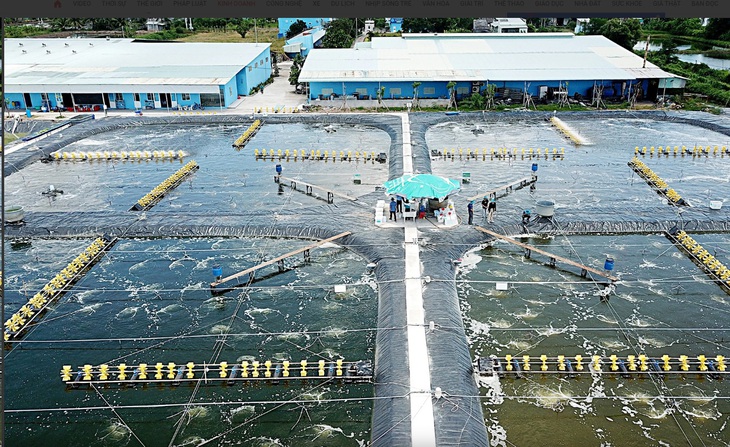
712, 264
172, 181
324, 155
696, 150
170, 371
28, 311
574, 137
503, 151
275, 109
656, 181
633, 363
251, 131
114, 155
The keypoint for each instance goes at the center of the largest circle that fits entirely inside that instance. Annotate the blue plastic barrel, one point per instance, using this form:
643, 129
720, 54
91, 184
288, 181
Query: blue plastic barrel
278, 169
534, 167
608, 265
217, 271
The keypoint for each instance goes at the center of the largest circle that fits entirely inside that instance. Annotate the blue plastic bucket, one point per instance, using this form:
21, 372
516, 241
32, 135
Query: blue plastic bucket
608, 265
534, 167
217, 271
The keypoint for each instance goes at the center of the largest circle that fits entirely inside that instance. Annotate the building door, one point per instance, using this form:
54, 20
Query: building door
28, 101
106, 100
67, 100
165, 100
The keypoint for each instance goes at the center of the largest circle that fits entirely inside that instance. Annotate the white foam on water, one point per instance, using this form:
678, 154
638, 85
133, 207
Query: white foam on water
262, 441
606, 319
242, 413
335, 332
191, 441
219, 329
328, 431
497, 434
91, 308
127, 313
115, 433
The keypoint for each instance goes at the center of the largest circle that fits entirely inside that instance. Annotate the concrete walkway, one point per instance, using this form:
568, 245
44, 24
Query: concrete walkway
423, 432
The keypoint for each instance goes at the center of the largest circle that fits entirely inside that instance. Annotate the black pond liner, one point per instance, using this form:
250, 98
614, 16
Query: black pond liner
451, 366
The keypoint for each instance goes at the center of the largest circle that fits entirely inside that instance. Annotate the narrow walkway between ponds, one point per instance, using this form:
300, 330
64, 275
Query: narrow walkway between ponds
422, 423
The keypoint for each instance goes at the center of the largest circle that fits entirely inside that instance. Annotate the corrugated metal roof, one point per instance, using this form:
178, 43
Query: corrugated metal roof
479, 57
93, 62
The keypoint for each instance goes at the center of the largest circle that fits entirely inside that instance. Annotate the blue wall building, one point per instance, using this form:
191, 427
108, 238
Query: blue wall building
303, 43
545, 65
88, 74
395, 25
286, 23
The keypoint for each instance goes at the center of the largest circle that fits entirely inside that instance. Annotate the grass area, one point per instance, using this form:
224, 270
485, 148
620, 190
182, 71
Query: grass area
666, 36
9, 137
265, 35
717, 54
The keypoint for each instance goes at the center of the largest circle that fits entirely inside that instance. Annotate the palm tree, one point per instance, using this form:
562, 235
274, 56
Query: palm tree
451, 87
415, 94
380, 92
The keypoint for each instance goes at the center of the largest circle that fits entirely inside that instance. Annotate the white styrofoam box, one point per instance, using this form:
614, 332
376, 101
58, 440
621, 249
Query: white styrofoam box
715, 204
340, 288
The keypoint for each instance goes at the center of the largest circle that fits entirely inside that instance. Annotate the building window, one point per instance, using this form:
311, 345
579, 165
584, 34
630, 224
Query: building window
361, 91
249, 68
230, 91
136, 96
118, 97
394, 91
462, 90
256, 65
59, 98
44, 96
429, 90
150, 97
327, 91
261, 62
185, 96
267, 58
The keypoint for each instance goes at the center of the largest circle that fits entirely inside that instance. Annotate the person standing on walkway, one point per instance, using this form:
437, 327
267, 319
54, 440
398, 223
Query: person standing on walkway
485, 204
491, 209
470, 208
393, 208
399, 204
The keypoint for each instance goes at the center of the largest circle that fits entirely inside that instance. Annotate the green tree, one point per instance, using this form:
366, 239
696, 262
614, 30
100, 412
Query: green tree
451, 87
296, 70
243, 27
340, 33
623, 32
718, 29
415, 94
296, 28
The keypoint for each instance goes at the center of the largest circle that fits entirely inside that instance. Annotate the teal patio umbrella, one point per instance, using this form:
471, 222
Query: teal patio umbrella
421, 186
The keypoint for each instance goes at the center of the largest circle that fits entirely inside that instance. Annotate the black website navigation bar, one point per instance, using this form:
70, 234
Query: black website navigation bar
366, 8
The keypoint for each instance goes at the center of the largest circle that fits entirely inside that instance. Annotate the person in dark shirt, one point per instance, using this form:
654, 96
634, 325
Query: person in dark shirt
485, 204
393, 208
491, 209
470, 208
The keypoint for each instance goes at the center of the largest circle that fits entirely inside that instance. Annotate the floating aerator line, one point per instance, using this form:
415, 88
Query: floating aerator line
247, 135
159, 191
216, 373
656, 182
640, 365
16, 325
